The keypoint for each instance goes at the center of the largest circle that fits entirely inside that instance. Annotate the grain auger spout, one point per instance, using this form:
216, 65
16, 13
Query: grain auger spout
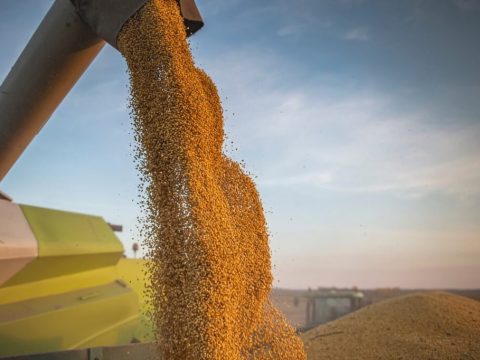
65, 43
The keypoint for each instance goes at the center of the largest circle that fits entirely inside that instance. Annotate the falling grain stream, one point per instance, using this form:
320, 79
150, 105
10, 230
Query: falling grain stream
204, 226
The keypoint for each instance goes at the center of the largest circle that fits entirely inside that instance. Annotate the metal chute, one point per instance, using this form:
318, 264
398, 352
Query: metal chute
66, 42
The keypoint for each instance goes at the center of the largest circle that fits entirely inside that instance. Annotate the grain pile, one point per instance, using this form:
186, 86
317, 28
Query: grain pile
205, 228
419, 326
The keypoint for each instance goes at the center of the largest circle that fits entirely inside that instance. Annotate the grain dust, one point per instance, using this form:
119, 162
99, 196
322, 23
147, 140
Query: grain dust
204, 226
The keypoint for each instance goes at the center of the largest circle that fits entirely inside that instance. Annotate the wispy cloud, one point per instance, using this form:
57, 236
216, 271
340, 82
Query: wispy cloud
326, 126
290, 30
467, 5
309, 179
215, 7
357, 34
356, 142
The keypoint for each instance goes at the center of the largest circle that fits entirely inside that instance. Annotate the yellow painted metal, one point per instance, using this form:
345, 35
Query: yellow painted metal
57, 285
68, 243
134, 273
97, 316
79, 293
62, 233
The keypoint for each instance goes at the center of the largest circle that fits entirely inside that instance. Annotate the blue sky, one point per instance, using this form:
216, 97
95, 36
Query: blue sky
359, 119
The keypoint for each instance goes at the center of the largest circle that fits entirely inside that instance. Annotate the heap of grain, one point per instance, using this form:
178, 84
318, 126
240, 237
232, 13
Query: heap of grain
418, 326
205, 228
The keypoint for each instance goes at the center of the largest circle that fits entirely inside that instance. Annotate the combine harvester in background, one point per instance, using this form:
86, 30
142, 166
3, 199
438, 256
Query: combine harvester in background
64, 283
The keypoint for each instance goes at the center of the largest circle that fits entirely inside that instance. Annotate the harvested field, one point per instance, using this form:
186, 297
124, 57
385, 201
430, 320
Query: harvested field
418, 326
